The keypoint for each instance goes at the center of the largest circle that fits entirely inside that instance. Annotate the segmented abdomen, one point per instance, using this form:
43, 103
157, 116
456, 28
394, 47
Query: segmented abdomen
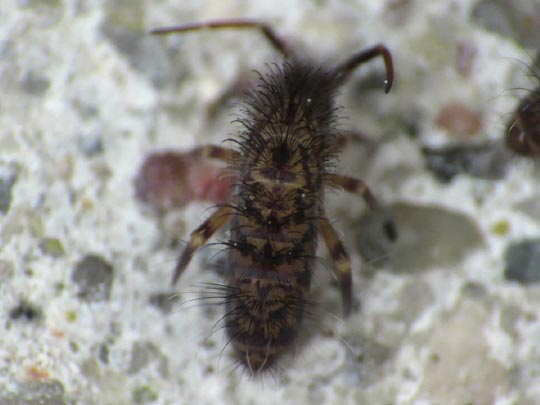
284, 151
270, 268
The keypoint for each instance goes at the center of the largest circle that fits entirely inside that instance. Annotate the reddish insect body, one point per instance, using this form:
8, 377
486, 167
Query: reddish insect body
282, 164
171, 179
523, 132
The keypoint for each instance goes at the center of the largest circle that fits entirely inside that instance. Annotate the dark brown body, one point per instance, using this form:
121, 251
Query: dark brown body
284, 157
281, 166
523, 131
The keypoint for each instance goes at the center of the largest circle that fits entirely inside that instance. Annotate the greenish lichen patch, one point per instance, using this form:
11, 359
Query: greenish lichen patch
145, 394
52, 247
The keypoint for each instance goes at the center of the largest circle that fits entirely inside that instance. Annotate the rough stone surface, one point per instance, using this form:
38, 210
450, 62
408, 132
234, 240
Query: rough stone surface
34, 393
459, 367
88, 94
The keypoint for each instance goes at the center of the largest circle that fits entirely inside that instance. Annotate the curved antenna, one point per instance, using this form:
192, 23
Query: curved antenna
345, 68
269, 33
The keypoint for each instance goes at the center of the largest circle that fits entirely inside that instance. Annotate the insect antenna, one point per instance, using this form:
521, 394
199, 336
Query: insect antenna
343, 69
233, 23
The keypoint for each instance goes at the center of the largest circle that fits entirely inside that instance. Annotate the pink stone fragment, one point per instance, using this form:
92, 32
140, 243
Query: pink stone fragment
171, 179
459, 119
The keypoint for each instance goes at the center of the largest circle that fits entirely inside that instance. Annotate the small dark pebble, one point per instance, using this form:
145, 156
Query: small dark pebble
94, 277
475, 291
25, 311
164, 301
34, 84
90, 144
390, 229
486, 161
523, 262
103, 353
6, 185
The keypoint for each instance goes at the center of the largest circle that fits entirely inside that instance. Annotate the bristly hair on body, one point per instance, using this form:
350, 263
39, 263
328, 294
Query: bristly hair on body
282, 162
284, 152
522, 134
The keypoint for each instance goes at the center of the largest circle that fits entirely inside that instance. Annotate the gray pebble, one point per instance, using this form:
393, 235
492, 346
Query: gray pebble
91, 144
94, 276
25, 311
164, 301
428, 236
523, 262
34, 84
486, 161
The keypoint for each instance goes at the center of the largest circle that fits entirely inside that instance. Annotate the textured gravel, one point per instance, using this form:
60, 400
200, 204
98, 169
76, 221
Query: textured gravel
447, 314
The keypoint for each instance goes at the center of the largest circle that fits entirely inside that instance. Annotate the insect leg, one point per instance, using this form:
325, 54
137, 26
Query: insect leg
199, 237
343, 138
356, 186
345, 68
267, 30
341, 260
215, 152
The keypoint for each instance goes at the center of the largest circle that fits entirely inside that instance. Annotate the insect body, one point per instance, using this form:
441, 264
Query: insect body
522, 134
282, 162
523, 131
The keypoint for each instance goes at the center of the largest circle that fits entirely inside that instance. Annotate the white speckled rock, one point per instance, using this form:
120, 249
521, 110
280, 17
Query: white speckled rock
87, 93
